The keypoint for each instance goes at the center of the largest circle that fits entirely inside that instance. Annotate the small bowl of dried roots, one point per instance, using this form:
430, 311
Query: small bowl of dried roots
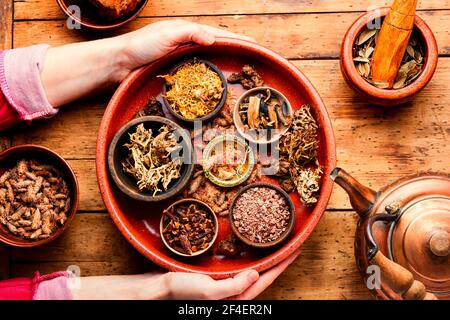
38, 196
151, 159
194, 90
416, 70
188, 227
261, 115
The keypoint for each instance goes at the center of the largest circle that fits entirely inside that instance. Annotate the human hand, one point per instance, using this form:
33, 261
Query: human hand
244, 286
158, 39
177, 285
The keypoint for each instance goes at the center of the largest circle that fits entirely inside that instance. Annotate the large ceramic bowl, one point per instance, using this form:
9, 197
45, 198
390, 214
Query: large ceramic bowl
139, 222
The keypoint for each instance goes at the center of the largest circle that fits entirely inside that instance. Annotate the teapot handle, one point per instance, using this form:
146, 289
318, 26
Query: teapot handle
398, 278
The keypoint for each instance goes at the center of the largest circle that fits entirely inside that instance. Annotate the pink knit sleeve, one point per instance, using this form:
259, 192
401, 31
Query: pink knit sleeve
20, 82
52, 287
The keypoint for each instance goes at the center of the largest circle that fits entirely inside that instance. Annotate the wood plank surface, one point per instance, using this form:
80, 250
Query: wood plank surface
6, 23
44, 9
324, 270
304, 36
376, 145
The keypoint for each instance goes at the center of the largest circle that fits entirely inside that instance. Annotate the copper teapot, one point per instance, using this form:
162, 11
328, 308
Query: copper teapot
404, 234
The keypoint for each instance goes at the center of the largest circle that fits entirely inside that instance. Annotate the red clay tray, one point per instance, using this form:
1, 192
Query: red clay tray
139, 222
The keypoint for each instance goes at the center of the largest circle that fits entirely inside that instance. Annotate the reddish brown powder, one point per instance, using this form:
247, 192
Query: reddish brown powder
261, 214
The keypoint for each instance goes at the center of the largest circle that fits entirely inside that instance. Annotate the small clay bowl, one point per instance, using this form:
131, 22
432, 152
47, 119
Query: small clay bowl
261, 139
190, 201
219, 105
387, 97
127, 183
289, 227
86, 14
250, 159
9, 159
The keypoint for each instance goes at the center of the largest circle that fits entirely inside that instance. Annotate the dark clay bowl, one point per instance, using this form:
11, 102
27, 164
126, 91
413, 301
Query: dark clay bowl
387, 97
9, 158
117, 153
289, 227
205, 206
88, 17
219, 105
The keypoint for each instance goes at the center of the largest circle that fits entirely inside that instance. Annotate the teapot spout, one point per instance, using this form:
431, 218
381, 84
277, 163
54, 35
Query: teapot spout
361, 197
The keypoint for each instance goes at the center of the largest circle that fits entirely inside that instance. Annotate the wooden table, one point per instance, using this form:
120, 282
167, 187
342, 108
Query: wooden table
376, 145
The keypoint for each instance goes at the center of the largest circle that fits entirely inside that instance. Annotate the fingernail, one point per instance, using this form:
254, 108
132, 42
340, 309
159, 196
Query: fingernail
252, 276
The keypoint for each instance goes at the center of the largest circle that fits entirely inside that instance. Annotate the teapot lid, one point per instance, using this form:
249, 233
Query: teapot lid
420, 240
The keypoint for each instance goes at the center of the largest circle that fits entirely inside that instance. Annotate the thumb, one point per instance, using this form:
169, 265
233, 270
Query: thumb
234, 286
202, 36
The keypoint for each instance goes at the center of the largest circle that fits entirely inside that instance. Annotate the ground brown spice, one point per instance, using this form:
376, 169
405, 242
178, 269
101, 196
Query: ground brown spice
261, 214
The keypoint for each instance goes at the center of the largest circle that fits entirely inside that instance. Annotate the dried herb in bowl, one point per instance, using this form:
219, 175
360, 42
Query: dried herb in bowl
188, 227
194, 90
410, 68
299, 168
153, 159
34, 200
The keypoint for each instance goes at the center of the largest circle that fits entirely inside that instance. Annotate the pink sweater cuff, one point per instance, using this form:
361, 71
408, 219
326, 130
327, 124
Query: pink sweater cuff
52, 287
20, 81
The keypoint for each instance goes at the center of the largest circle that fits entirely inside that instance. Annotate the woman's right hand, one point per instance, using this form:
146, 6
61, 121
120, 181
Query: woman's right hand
176, 285
244, 286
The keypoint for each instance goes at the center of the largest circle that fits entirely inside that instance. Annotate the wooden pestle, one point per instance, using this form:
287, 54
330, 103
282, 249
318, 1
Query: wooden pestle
392, 42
